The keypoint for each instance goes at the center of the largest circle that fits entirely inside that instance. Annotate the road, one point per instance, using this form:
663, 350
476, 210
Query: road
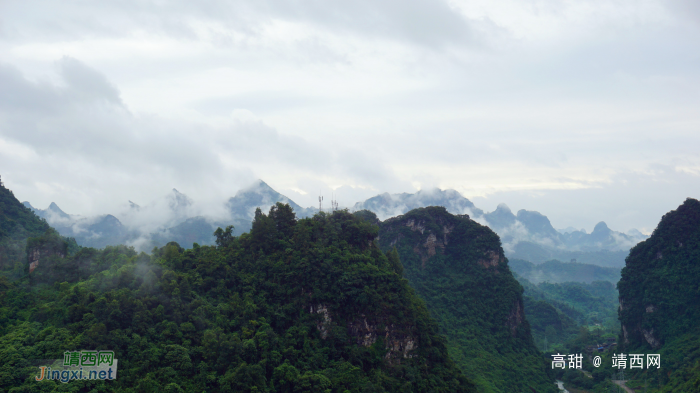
560, 385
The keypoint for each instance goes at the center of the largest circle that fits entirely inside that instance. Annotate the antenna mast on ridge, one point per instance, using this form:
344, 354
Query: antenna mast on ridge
320, 203
334, 203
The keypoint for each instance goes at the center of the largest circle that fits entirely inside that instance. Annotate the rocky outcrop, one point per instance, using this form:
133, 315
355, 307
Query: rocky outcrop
433, 242
416, 227
649, 336
34, 255
325, 323
397, 341
492, 260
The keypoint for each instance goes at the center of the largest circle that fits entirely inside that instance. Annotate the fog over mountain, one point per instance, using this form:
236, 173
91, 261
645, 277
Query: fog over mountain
259, 194
176, 217
173, 217
527, 234
564, 130
573, 109
390, 205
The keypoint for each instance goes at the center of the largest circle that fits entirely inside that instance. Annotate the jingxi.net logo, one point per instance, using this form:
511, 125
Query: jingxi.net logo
81, 365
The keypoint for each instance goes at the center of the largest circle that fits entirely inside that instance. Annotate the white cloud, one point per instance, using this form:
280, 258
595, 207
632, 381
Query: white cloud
526, 101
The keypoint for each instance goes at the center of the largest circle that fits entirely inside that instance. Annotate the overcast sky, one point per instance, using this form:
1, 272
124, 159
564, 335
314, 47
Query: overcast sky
582, 110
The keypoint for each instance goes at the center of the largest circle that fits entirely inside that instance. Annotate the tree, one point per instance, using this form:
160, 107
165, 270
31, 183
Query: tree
284, 217
263, 232
395, 262
224, 237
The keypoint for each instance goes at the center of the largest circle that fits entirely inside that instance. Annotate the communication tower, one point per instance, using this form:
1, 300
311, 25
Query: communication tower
334, 204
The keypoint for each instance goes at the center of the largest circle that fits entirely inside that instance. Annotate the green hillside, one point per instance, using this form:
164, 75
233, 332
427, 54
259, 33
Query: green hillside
17, 224
457, 266
309, 305
660, 300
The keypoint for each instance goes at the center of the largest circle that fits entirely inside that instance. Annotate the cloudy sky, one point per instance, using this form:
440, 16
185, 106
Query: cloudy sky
582, 110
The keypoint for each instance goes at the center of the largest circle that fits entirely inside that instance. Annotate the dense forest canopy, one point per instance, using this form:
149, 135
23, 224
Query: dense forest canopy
17, 224
295, 305
660, 298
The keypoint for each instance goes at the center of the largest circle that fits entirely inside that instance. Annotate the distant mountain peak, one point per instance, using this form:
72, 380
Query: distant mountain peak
258, 194
387, 205
179, 200
635, 233
539, 225
503, 208
53, 207
500, 218
601, 227
531, 213
261, 183
257, 185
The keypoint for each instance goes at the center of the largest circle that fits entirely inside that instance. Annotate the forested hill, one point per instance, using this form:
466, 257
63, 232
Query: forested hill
17, 224
310, 305
458, 267
660, 298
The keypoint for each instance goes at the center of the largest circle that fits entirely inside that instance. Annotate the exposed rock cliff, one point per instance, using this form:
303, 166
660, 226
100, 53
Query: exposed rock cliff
399, 340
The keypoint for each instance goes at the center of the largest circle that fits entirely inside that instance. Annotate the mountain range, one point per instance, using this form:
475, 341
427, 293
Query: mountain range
527, 235
295, 305
424, 301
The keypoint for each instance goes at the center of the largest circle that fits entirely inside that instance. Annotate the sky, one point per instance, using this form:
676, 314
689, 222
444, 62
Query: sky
585, 111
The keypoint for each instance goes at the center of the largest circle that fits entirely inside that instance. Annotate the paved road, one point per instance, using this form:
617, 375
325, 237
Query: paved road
560, 385
623, 386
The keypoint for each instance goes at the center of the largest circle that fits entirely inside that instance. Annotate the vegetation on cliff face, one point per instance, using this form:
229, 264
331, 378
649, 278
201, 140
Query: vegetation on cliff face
307, 305
660, 299
17, 223
457, 266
